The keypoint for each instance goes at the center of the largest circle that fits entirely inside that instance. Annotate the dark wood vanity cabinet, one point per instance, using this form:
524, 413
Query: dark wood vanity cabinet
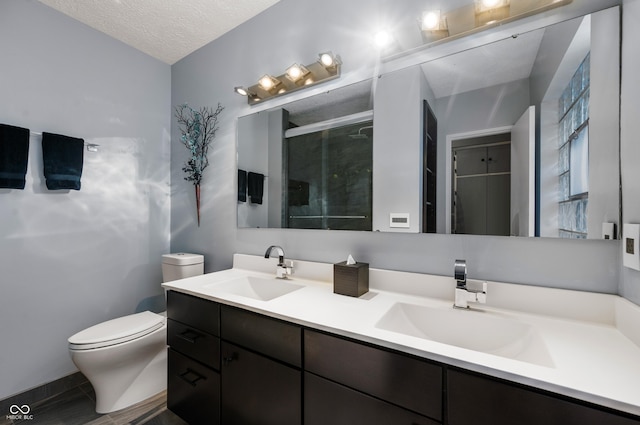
479, 400
231, 366
261, 376
354, 383
193, 380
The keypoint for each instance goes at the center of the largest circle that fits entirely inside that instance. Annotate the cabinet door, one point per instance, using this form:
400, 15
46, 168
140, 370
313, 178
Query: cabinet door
257, 390
399, 379
477, 400
193, 390
326, 402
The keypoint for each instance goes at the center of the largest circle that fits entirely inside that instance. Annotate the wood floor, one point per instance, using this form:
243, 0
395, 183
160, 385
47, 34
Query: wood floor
77, 407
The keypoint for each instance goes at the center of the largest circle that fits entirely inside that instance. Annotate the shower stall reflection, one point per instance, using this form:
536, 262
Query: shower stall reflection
329, 178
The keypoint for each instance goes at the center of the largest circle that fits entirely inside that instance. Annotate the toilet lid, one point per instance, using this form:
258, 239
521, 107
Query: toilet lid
116, 331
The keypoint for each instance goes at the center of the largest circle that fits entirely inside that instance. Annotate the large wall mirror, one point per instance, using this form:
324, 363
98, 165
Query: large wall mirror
517, 137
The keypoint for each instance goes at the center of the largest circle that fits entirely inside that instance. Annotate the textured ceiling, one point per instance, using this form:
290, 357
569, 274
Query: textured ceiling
165, 29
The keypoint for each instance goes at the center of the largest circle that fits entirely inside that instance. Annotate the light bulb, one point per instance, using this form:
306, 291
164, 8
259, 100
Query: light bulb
490, 3
431, 20
326, 59
266, 82
294, 72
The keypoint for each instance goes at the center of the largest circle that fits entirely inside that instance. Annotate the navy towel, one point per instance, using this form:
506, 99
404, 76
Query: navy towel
242, 186
14, 155
255, 187
63, 158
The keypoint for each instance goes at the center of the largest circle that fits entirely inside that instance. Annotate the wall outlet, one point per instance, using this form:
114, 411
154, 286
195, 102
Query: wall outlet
630, 251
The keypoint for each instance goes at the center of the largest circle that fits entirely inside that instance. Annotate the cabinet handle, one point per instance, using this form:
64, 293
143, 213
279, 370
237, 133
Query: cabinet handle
227, 360
191, 382
189, 336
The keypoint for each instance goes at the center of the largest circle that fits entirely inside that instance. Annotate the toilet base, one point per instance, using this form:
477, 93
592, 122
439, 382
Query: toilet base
125, 374
151, 381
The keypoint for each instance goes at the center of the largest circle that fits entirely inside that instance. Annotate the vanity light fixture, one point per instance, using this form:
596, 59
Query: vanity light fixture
295, 77
431, 20
491, 11
478, 15
329, 60
268, 83
434, 26
241, 91
296, 72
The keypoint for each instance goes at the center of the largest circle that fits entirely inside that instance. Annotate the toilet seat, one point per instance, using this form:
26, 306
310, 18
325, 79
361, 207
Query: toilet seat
117, 331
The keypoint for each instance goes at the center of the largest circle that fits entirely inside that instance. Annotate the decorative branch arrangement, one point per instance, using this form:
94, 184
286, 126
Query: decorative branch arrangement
198, 129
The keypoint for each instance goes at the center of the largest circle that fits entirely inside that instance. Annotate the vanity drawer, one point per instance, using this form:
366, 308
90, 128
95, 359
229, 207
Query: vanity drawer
402, 380
197, 312
481, 400
326, 402
194, 343
193, 390
271, 337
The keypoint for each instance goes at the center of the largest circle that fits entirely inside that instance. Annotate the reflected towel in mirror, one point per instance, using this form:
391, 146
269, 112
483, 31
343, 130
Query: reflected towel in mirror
255, 187
242, 186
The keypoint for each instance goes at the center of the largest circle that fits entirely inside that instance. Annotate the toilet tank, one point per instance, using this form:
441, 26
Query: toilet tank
181, 265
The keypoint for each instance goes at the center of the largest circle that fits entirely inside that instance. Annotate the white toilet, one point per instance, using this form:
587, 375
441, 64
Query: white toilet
125, 359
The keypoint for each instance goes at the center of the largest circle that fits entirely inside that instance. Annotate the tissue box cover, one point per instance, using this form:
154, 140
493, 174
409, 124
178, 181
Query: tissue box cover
351, 279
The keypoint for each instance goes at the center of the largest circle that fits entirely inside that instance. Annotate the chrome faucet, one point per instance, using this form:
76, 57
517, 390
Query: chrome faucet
464, 295
282, 269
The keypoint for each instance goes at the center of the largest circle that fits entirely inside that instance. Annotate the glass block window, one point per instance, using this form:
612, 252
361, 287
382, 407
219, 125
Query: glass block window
573, 155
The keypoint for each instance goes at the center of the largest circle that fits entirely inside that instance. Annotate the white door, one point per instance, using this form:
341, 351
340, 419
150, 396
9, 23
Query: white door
523, 141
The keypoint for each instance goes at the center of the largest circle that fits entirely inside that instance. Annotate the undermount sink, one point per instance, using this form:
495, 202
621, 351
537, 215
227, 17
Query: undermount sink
256, 288
474, 330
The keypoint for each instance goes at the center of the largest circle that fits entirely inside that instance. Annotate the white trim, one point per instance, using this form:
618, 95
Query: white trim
332, 123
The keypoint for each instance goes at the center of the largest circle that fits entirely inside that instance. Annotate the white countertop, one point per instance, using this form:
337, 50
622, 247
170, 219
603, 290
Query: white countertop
592, 340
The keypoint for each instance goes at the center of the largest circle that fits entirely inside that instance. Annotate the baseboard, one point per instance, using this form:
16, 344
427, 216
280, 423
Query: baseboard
43, 392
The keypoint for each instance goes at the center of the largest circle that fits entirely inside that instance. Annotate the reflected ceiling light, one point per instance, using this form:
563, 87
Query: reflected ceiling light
296, 72
268, 83
382, 39
295, 77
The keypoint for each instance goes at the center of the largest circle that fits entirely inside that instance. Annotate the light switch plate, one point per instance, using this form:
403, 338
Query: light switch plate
630, 250
399, 220
608, 231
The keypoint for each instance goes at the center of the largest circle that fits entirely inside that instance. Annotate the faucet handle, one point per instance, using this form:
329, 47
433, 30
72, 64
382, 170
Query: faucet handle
283, 270
460, 271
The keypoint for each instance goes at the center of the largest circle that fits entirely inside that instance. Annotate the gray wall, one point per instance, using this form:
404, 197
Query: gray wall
629, 141
239, 57
397, 151
69, 260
